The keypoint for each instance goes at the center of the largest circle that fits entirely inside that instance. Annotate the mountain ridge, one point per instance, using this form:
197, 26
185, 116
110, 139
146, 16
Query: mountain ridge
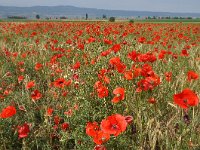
78, 12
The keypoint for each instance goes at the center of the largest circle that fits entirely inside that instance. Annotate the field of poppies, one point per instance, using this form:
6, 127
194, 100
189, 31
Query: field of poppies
99, 85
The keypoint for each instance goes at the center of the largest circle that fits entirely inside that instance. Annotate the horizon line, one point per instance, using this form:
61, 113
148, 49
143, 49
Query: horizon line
100, 8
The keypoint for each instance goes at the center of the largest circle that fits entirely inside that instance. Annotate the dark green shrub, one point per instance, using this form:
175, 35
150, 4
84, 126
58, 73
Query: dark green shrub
131, 21
112, 19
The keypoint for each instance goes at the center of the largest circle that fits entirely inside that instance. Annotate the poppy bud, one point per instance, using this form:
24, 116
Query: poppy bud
129, 119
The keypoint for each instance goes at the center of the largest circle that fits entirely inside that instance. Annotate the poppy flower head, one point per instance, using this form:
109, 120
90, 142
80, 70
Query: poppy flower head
128, 75
76, 66
20, 79
30, 84
65, 126
114, 61
119, 94
36, 95
186, 98
92, 128
49, 111
101, 137
59, 83
23, 130
102, 92
114, 124
38, 66
8, 112
192, 75
116, 48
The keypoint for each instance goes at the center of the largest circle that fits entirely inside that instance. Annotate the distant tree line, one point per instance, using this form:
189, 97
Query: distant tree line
168, 17
16, 17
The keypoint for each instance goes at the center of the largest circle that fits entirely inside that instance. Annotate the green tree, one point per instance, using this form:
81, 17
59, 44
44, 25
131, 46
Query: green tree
37, 16
112, 19
104, 16
86, 16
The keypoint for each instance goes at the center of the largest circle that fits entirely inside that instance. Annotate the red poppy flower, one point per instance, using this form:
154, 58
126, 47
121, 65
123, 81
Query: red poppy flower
38, 66
36, 95
114, 124
101, 137
30, 84
133, 55
116, 48
141, 39
102, 92
114, 60
137, 72
149, 83
92, 128
152, 100
20, 78
49, 111
192, 75
105, 53
147, 70
90, 40
8, 112
186, 98
184, 52
23, 130
119, 94
98, 84
57, 120
76, 66
120, 67
60, 83
81, 46
128, 75
106, 41
106, 79
65, 126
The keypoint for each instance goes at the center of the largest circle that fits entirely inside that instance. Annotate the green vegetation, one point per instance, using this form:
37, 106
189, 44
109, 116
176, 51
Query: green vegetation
112, 19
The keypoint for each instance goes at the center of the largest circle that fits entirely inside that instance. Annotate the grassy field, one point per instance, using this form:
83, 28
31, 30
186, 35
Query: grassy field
99, 85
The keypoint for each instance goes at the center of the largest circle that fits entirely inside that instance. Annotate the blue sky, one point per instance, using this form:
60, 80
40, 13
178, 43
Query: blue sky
148, 5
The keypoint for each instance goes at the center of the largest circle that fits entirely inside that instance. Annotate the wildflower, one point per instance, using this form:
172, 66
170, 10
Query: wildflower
30, 84
101, 137
114, 124
128, 75
152, 100
186, 99
23, 130
119, 94
192, 75
92, 128
65, 126
8, 112
38, 66
36, 95
20, 79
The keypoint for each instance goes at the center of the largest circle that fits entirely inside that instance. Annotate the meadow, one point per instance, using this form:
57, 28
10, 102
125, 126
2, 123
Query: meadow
99, 85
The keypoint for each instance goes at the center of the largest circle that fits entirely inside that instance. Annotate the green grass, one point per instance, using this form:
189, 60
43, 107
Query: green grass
155, 126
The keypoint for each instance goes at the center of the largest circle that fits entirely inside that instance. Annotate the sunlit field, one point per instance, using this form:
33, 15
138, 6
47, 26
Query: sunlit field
99, 85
